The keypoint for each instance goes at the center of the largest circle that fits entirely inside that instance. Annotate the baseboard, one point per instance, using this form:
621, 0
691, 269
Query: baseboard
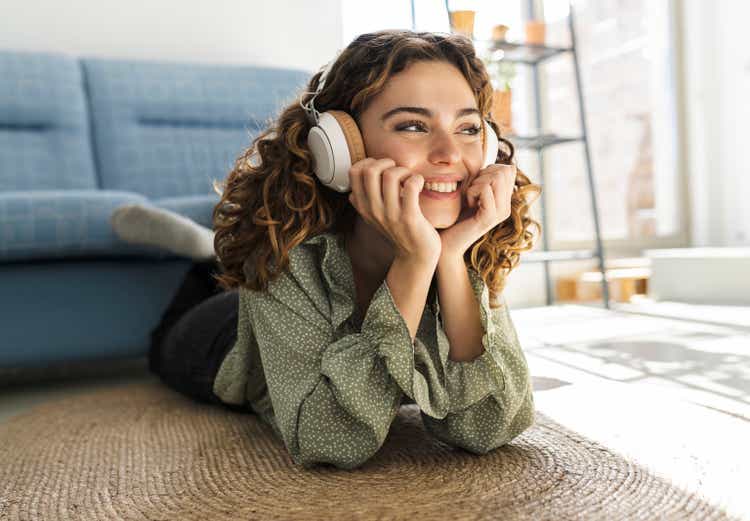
73, 371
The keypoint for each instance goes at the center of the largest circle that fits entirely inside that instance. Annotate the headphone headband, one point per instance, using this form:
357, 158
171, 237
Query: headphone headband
312, 114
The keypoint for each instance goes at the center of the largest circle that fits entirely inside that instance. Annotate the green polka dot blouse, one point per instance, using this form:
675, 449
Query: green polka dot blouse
329, 384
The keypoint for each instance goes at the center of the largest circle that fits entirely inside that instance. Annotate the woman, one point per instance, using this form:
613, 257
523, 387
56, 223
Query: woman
325, 311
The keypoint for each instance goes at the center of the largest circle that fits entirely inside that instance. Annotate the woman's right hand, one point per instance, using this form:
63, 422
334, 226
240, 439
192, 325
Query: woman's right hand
392, 207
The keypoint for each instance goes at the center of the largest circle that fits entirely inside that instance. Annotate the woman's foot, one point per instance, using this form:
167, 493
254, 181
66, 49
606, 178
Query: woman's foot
140, 224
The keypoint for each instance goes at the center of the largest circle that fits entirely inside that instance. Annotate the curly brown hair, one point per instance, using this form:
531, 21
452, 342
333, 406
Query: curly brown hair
269, 206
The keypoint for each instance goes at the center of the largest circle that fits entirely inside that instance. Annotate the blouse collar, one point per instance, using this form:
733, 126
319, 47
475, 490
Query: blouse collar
338, 274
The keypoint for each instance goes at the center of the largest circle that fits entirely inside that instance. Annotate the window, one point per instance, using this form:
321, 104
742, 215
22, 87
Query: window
626, 57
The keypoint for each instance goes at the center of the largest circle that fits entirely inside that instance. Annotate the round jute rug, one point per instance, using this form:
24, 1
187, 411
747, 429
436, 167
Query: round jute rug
142, 451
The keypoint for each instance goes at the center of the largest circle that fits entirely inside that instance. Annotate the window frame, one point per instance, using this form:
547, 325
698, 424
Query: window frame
632, 246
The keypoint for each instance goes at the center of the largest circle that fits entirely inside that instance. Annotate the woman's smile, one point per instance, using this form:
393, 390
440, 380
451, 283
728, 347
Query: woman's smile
440, 195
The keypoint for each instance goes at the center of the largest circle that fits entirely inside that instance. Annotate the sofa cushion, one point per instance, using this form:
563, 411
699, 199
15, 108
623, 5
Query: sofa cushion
199, 208
169, 129
44, 127
51, 224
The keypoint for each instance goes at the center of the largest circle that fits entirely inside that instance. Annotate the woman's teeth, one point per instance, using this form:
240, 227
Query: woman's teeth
441, 187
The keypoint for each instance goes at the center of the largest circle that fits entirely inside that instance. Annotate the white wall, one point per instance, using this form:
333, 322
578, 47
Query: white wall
220, 31
717, 108
387, 14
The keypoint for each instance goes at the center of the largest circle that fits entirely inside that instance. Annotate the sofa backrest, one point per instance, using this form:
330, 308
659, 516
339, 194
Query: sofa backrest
170, 129
44, 126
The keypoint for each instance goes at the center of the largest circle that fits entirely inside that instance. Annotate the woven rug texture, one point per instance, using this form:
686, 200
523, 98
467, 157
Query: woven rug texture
145, 452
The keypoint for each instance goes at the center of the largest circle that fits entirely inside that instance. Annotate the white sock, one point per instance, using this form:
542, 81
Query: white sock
140, 224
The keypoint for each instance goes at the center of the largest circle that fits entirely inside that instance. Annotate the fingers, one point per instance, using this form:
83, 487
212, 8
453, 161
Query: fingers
474, 191
503, 190
509, 169
498, 176
360, 176
494, 203
378, 190
393, 179
412, 189
475, 188
487, 203
372, 183
355, 180
387, 197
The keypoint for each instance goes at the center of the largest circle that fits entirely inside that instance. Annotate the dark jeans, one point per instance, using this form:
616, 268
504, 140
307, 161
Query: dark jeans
196, 331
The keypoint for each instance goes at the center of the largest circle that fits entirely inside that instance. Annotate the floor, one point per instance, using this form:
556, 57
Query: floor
665, 384
699, 354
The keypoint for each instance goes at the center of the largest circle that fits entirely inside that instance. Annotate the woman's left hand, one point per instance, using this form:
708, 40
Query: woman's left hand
487, 205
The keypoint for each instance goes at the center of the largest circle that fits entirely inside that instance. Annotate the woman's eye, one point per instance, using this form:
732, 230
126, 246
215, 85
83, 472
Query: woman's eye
410, 124
473, 130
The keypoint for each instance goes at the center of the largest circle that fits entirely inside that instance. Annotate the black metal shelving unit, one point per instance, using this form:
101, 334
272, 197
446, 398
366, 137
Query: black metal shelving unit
534, 56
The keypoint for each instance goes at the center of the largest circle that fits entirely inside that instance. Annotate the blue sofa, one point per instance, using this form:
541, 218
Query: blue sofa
79, 137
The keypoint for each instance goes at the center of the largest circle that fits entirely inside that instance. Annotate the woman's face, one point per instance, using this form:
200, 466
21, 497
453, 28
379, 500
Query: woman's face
443, 138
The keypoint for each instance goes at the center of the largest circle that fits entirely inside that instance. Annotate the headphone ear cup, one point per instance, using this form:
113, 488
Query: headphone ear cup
353, 136
491, 145
336, 144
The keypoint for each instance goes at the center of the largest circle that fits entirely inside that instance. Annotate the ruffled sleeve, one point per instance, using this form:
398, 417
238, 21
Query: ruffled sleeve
491, 399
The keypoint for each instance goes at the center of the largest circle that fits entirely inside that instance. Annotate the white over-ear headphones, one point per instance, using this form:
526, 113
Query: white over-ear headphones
336, 142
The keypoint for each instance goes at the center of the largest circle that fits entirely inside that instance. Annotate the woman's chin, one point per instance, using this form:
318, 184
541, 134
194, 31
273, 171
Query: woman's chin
443, 226
442, 214
443, 221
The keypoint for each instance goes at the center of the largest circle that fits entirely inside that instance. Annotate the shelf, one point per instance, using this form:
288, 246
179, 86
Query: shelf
558, 255
501, 50
540, 141
527, 53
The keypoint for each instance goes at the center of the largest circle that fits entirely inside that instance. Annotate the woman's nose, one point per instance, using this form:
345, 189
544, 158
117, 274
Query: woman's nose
443, 148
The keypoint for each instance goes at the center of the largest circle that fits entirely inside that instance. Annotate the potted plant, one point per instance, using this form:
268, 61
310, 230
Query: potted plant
501, 74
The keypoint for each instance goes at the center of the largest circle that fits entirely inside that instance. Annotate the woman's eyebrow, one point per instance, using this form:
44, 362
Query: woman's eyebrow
427, 112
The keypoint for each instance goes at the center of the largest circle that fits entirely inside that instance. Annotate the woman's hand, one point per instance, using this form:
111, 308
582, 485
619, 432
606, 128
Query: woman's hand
391, 205
487, 205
